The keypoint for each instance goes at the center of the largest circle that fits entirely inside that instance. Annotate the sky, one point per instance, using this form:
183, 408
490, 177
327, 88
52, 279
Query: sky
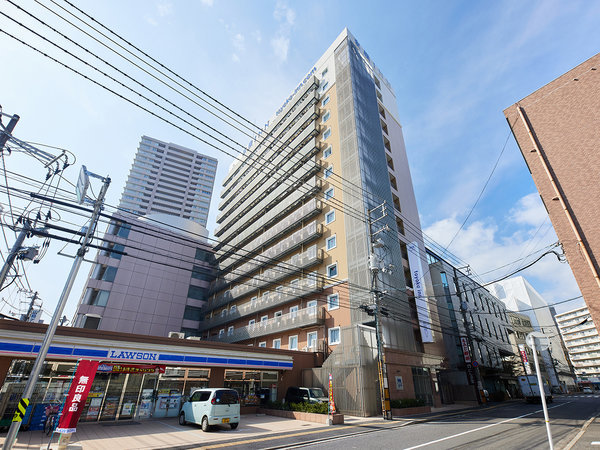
454, 66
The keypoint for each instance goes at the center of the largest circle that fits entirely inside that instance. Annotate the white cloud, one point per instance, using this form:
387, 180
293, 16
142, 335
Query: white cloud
238, 42
286, 17
151, 21
164, 9
486, 248
280, 46
235, 58
207, 2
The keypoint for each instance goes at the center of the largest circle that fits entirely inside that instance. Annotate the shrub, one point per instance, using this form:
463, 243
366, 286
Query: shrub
317, 408
407, 403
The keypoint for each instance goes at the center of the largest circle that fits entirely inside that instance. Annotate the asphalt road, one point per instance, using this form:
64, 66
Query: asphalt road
514, 425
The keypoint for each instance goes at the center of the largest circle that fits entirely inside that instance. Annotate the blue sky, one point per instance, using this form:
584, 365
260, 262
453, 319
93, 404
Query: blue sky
454, 67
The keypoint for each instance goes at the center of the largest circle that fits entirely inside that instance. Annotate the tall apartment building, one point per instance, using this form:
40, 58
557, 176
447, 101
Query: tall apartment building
581, 338
558, 129
519, 295
485, 322
169, 179
294, 241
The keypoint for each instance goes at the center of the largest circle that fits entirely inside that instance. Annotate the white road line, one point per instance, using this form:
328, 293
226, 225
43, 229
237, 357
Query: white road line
482, 428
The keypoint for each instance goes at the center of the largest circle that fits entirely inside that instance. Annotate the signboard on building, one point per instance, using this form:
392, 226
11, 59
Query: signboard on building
524, 359
418, 279
331, 401
465, 348
399, 383
78, 393
131, 368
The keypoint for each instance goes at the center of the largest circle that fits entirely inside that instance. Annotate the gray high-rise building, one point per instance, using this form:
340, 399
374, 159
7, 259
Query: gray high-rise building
169, 179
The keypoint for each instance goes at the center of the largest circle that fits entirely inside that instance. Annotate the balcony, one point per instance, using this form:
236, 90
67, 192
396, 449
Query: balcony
284, 269
311, 208
290, 292
303, 318
311, 231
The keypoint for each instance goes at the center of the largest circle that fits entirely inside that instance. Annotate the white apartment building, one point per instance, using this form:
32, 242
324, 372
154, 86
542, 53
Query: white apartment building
169, 179
581, 339
520, 296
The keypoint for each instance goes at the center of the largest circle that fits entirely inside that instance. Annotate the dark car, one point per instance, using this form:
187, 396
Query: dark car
305, 395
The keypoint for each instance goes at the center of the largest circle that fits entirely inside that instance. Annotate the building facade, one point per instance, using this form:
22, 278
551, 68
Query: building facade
169, 179
580, 335
557, 128
520, 296
293, 226
476, 330
152, 277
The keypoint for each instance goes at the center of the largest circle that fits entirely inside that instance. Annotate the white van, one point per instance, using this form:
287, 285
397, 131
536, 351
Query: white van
211, 406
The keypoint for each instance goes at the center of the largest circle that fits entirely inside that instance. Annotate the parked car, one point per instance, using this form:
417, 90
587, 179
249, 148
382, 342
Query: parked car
211, 406
305, 395
587, 390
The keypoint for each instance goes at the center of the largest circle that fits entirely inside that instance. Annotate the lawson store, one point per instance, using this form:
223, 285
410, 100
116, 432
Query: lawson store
140, 377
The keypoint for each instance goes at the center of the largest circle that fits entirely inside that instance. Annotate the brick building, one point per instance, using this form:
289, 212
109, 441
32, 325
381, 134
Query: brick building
558, 129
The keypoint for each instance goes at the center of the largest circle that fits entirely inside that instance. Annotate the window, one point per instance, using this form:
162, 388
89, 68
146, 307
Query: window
327, 152
333, 302
221, 332
233, 309
334, 336
293, 343
293, 311
263, 344
326, 116
330, 242
324, 72
251, 322
264, 318
325, 101
328, 194
230, 331
324, 87
224, 313
203, 255
311, 306
91, 323
276, 343
311, 339
327, 133
202, 273
328, 171
192, 313
332, 270
96, 297
329, 217
113, 250
278, 314
197, 292
253, 301
105, 273
311, 279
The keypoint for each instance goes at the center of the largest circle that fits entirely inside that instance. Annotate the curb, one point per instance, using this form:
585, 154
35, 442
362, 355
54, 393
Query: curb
578, 436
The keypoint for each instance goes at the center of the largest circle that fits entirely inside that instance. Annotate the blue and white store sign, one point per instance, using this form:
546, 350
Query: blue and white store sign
30, 350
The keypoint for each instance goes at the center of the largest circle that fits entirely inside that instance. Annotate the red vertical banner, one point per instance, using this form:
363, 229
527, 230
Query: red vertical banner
78, 393
331, 402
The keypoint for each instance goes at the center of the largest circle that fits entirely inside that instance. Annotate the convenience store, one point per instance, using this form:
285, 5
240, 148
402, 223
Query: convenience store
140, 377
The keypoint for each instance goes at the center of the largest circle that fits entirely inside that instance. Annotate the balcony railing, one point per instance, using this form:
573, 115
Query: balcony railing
284, 269
309, 209
298, 319
288, 293
287, 245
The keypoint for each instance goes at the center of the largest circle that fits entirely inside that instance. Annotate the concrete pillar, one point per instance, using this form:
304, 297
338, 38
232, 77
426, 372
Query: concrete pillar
217, 377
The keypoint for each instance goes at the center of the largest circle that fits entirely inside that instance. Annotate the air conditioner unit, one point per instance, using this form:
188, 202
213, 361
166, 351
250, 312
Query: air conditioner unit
176, 334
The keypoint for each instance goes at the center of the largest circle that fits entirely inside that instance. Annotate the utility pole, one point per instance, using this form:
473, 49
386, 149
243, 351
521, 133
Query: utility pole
14, 251
470, 369
51, 330
34, 297
8, 129
374, 266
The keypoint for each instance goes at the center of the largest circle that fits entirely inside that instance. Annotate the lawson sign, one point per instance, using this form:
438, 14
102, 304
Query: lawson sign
119, 354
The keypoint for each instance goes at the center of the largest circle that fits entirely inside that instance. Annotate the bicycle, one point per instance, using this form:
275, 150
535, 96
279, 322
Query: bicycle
51, 417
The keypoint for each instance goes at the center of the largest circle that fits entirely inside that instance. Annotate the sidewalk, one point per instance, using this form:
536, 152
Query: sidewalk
161, 433
588, 437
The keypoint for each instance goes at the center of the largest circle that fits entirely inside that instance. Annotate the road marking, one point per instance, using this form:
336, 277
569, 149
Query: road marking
578, 435
596, 443
482, 428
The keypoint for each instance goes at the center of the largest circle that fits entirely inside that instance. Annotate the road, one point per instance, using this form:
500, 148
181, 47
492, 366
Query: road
513, 425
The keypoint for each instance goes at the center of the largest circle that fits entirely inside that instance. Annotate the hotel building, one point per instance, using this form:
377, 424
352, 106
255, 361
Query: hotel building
294, 249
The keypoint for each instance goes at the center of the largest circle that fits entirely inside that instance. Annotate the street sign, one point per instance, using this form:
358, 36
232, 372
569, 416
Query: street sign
83, 183
542, 341
475, 363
